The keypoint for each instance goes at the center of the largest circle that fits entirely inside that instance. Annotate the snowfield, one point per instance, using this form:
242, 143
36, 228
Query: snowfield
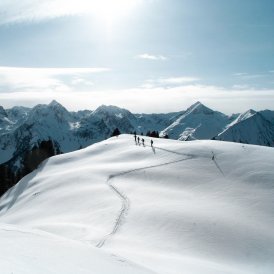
119, 207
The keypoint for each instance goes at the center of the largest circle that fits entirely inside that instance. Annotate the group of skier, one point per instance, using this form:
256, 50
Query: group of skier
138, 140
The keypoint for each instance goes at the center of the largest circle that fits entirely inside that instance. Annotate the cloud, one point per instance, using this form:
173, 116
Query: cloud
248, 76
20, 78
171, 81
147, 56
178, 80
151, 100
81, 81
240, 87
37, 10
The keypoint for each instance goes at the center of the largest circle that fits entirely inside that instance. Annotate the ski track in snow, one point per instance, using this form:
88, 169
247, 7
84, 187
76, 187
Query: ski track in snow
216, 164
125, 201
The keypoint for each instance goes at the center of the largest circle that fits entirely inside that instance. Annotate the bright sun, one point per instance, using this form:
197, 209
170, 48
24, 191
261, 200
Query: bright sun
111, 11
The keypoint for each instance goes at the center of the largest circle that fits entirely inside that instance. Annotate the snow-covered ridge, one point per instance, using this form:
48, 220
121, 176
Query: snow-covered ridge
193, 207
249, 128
197, 122
21, 128
243, 117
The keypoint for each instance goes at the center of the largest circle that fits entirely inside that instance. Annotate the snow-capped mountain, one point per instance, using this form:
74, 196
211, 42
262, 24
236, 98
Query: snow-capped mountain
43, 122
32, 134
69, 131
5, 122
268, 115
12, 118
250, 128
197, 122
117, 207
158, 122
100, 123
2, 112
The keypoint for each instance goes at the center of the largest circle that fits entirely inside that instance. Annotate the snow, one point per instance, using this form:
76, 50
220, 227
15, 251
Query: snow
198, 122
25, 251
120, 115
249, 128
168, 209
243, 117
24, 128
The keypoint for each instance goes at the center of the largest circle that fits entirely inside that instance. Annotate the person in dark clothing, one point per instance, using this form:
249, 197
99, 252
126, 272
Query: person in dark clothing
151, 142
138, 139
135, 138
143, 141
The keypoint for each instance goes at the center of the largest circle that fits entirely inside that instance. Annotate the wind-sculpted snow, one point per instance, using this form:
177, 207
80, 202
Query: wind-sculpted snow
178, 207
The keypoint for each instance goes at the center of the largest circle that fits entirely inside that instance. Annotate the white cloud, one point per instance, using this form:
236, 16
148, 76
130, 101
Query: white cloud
81, 81
147, 56
248, 76
151, 100
147, 86
20, 78
241, 87
13, 11
171, 81
178, 80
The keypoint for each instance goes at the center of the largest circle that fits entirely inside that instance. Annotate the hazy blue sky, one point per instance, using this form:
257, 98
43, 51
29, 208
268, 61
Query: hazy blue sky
145, 55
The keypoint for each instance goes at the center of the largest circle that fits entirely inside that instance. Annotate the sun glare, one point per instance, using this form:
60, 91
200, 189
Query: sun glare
110, 12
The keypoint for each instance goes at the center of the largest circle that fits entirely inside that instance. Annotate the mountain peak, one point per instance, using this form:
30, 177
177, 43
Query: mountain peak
3, 112
110, 109
249, 113
57, 106
54, 103
198, 103
198, 108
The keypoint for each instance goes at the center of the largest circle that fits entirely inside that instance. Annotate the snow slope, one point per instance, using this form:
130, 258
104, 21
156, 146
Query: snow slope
250, 128
179, 207
25, 251
198, 122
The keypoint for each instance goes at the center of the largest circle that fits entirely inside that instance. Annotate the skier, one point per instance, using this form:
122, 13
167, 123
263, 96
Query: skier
143, 141
151, 142
138, 139
135, 137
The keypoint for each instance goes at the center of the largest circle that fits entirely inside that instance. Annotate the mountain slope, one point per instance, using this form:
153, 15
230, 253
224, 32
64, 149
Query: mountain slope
268, 115
5, 122
249, 128
172, 208
198, 122
26, 251
155, 122
24, 131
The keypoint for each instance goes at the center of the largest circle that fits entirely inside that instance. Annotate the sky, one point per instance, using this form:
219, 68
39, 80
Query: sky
143, 55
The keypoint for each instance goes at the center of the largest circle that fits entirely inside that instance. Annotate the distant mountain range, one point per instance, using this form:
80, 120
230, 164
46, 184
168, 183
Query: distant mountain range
28, 133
